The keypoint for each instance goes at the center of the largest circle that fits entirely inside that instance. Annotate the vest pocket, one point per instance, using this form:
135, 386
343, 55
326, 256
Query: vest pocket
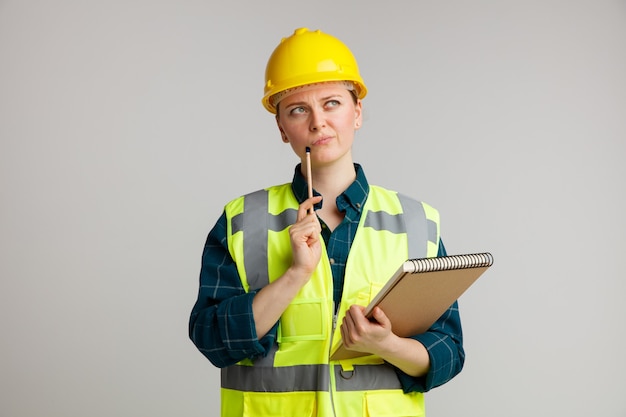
302, 320
300, 404
393, 404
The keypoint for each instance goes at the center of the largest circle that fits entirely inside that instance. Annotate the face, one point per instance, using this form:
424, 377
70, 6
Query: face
323, 118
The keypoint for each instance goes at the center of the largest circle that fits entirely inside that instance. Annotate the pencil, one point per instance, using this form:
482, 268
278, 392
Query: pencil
308, 173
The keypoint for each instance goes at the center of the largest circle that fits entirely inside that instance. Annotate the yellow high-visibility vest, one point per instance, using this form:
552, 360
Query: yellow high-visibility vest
297, 378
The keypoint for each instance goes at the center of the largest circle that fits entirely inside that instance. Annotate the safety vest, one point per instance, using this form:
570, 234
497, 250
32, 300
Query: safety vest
297, 378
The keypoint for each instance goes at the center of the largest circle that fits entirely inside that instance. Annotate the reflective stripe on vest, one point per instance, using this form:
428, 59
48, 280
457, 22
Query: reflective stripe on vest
411, 224
256, 231
256, 234
308, 378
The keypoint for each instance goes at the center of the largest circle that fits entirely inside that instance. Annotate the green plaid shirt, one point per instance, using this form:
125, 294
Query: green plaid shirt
222, 326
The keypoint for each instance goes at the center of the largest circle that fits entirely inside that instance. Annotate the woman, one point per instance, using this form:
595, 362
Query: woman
282, 268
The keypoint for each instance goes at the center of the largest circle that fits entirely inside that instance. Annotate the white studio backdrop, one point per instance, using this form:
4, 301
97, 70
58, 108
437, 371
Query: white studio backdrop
125, 126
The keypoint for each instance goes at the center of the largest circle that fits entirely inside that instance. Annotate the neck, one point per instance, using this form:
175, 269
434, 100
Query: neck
331, 181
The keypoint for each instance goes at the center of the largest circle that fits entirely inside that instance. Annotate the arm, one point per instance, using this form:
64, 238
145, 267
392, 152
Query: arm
227, 324
221, 323
444, 344
272, 300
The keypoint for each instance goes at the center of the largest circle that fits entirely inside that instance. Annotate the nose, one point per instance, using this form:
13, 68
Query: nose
317, 120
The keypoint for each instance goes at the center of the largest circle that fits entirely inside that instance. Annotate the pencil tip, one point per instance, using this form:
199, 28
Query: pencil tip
308, 149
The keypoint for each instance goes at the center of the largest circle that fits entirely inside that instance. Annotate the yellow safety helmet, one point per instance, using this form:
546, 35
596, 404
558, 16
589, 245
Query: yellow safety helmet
309, 57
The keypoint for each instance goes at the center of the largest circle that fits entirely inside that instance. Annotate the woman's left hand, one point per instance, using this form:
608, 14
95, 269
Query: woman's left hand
375, 336
364, 335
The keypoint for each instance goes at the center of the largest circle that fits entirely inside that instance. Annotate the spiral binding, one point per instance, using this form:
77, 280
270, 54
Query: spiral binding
446, 263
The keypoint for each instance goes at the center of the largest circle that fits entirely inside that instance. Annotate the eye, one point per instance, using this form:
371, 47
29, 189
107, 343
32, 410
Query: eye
297, 110
333, 103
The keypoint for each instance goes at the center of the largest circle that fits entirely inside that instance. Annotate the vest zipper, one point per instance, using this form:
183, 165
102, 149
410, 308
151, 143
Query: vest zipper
331, 367
333, 325
331, 391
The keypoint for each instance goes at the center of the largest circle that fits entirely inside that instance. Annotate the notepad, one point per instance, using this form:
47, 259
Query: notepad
420, 291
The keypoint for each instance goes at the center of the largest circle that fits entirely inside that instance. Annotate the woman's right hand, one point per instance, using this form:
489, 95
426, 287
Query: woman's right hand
305, 236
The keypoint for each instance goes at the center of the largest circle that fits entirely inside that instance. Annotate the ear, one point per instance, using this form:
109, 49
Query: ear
358, 115
282, 132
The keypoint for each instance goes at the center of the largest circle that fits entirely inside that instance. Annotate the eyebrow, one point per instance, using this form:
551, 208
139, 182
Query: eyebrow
300, 103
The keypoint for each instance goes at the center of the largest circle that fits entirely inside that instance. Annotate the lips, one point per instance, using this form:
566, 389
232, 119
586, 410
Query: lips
322, 141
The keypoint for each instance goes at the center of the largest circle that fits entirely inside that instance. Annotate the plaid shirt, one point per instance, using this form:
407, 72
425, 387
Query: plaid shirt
222, 325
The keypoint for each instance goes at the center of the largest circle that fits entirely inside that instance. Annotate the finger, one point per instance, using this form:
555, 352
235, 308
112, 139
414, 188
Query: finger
307, 207
352, 325
357, 315
345, 337
348, 331
379, 315
306, 232
358, 309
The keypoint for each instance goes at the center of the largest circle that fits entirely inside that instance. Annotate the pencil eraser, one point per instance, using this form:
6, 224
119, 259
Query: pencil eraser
308, 149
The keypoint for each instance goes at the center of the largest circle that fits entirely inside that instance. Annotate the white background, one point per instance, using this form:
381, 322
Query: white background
126, 125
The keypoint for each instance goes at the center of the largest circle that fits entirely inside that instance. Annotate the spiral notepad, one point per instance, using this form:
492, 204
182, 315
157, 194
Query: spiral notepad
420, 291
444, 263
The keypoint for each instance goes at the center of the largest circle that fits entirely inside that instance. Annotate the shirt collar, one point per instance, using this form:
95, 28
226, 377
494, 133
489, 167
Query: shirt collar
354, 196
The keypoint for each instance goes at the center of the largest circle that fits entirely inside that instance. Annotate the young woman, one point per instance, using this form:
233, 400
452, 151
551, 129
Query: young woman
285, 275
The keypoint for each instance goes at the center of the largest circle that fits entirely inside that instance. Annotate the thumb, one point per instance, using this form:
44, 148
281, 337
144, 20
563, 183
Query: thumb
380, 316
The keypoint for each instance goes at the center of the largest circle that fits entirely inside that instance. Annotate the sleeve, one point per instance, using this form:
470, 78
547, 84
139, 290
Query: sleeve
221, 324
444, 343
